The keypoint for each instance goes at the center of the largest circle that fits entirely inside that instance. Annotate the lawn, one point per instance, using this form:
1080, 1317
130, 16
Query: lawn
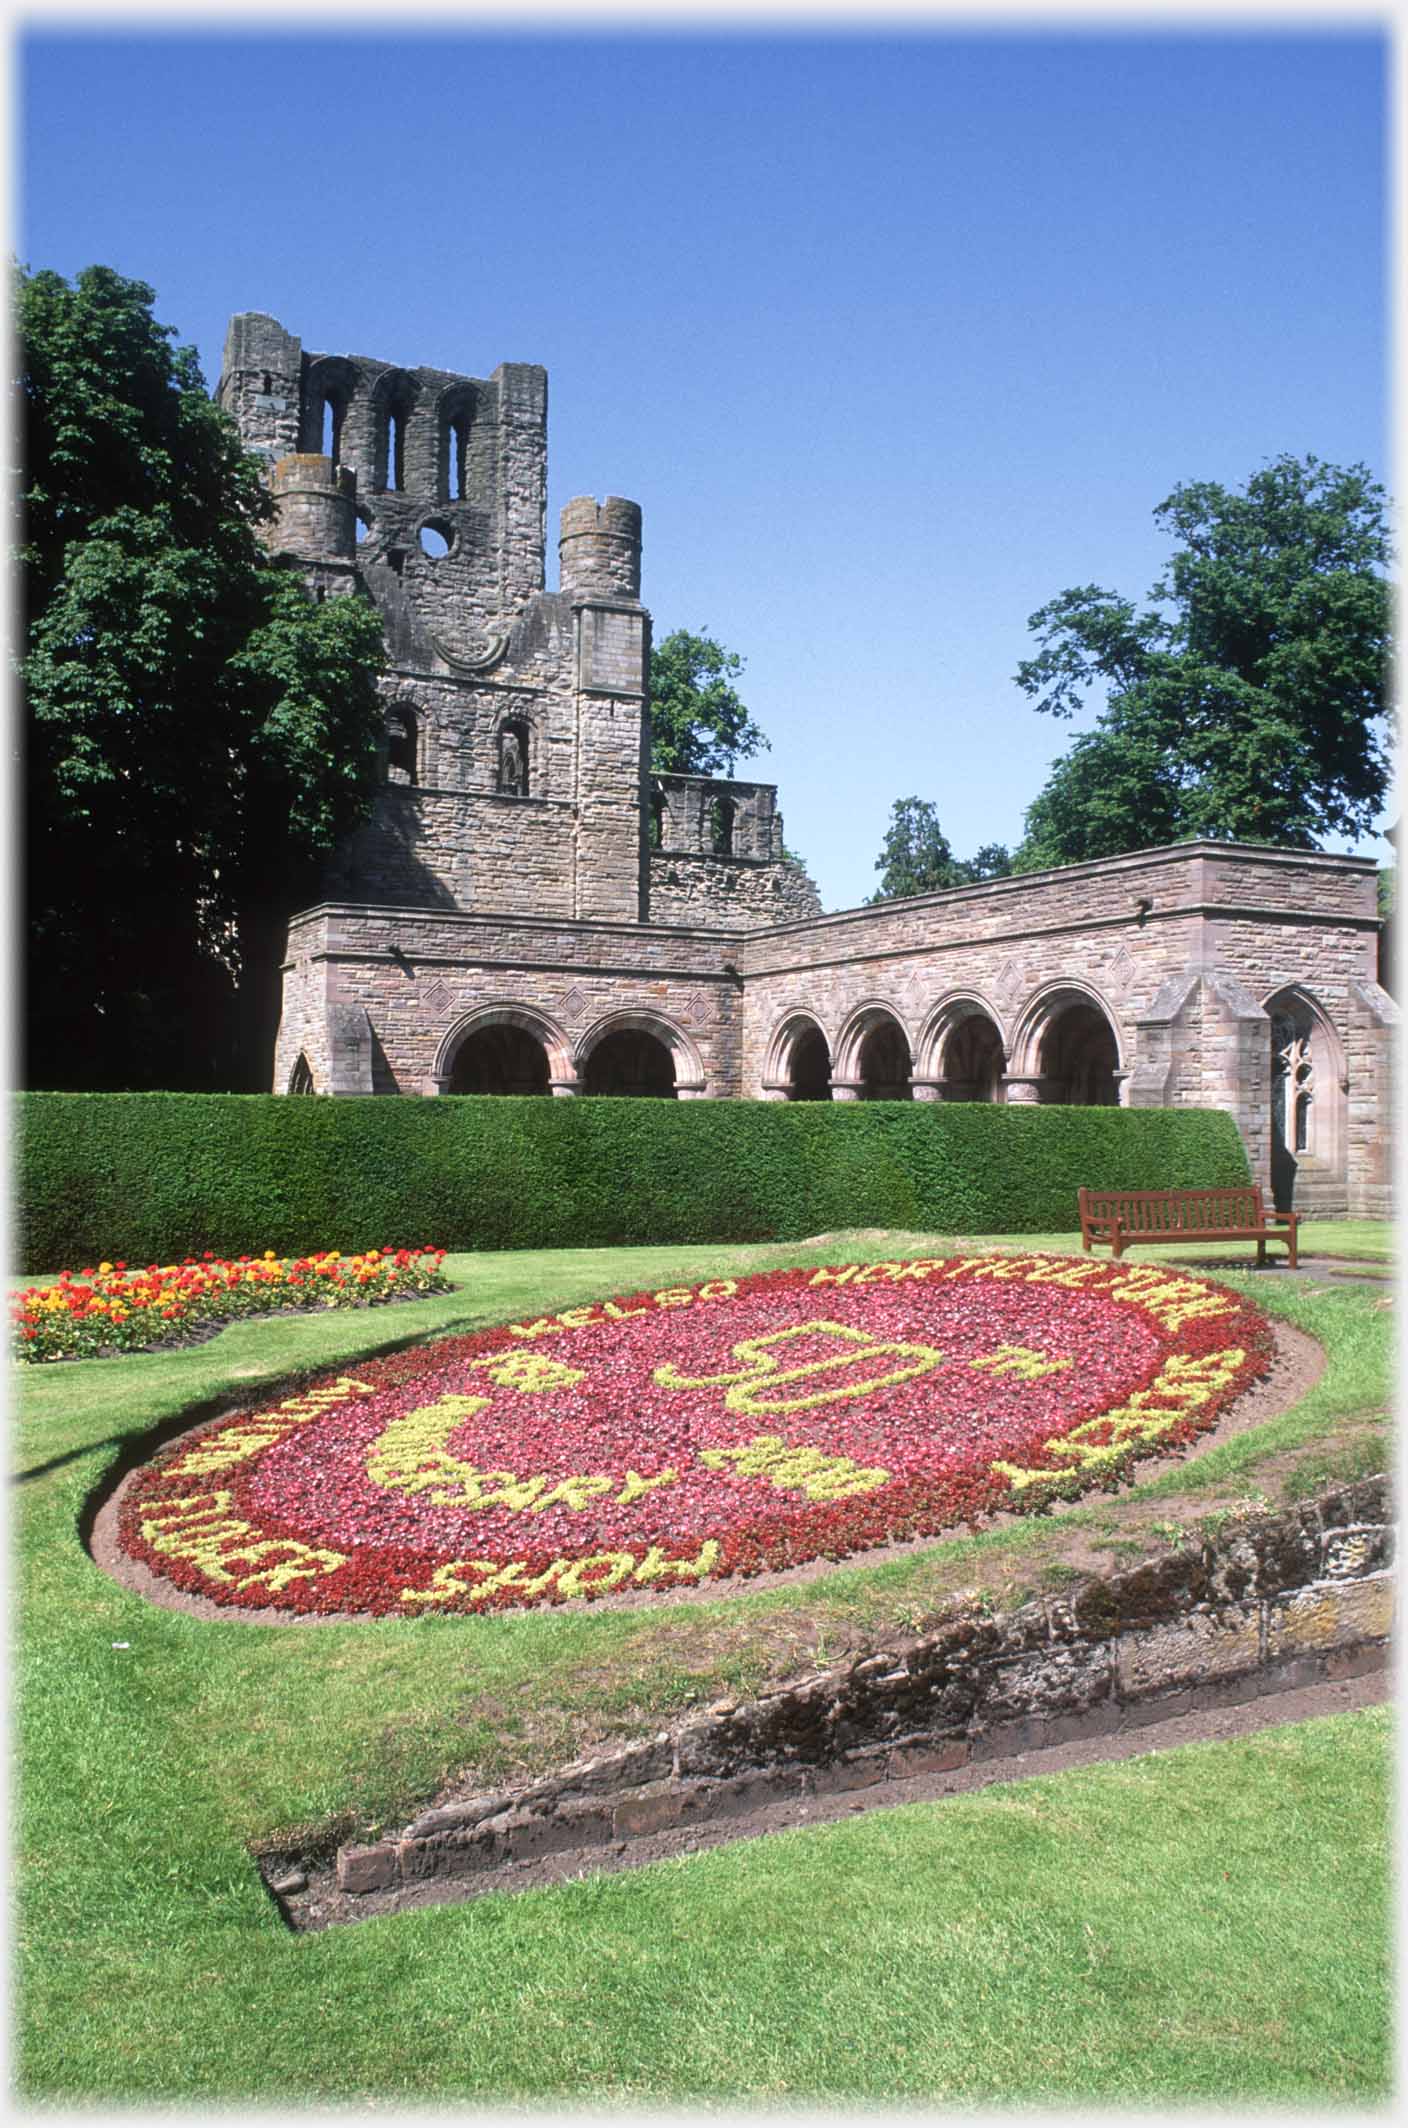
1141, 1930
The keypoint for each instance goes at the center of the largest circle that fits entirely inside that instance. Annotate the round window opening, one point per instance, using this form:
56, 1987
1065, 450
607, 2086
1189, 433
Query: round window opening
436, 539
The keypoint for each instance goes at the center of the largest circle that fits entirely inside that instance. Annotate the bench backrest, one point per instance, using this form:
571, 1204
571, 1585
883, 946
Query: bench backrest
1174, 1211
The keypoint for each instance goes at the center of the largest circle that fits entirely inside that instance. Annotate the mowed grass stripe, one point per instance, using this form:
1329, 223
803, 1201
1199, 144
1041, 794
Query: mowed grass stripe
1209, 1923
153, 1964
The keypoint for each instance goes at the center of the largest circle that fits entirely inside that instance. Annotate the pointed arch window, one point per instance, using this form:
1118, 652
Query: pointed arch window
1293, 1078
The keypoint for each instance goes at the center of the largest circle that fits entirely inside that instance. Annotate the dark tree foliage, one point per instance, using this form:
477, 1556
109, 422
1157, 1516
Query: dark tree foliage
698, 725
198, 731
1248, 701
915, 857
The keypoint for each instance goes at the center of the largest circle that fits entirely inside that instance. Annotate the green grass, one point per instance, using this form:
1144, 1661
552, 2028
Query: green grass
1063, 1940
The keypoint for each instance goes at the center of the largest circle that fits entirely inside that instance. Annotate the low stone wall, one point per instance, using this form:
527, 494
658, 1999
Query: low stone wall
1270, 1602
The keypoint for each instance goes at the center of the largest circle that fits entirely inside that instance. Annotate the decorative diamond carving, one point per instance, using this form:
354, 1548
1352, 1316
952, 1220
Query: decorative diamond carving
437, 998
1119, 964
698, 1007
575, 1003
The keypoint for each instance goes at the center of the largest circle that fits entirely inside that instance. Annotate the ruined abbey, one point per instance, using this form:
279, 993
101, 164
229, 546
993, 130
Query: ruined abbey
530, 910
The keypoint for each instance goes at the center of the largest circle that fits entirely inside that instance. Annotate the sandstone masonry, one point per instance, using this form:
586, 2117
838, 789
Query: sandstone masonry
1267, 1602
529, 910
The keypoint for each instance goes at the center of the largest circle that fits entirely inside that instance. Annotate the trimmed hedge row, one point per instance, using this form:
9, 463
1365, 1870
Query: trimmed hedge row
156, 1177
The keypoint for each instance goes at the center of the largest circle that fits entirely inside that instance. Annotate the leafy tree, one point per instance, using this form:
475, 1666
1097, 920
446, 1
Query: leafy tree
992, 861
1248, 700
699, 726
916, 858
198, 730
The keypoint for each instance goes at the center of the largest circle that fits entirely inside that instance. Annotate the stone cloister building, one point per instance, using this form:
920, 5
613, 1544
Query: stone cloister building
530, 910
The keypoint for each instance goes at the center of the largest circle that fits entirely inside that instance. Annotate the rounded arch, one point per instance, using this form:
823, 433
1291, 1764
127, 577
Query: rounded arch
524, 1019
686, 1064
1068, 1041
963, 1042
1043, 1006
393, 399
1309, 1102
402, 762
517, 764
798, 1062
873, 1052
329, 391
455, 411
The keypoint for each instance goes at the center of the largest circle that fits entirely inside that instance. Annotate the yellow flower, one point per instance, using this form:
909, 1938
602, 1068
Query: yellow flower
103, 1269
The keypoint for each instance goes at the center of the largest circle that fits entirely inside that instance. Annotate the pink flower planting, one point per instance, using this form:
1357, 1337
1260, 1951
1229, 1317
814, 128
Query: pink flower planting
697, 1432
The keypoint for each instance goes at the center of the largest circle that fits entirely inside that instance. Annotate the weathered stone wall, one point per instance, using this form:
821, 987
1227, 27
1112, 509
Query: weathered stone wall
260, 388
430, 849
518, 787
734, 893
1189, 1033
1371, 1034
1182, 978
1269, 1602
568, 981
687, 810
494, 525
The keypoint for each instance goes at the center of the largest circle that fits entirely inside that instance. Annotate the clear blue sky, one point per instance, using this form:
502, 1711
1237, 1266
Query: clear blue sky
892, 337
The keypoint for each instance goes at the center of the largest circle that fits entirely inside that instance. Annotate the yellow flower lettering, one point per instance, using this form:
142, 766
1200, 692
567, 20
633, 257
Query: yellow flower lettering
1182, 1385
1020, 1360
804, 1470
530, 1373
761, 1373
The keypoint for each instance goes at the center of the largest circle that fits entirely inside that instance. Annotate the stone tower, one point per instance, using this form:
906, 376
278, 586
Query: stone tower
516, 718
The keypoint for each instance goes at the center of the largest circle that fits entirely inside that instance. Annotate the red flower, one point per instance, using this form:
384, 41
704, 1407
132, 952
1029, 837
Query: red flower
729, 1428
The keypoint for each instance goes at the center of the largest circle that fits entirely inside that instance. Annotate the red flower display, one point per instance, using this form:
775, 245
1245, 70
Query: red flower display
658, 1441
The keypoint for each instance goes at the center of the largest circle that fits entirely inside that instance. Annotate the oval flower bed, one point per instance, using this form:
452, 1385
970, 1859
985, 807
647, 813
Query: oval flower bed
731, 1427
114, 1309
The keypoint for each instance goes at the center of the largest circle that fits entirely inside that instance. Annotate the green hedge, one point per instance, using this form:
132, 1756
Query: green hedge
155, 1177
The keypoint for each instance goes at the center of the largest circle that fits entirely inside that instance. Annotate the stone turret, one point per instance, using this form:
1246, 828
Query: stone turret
316, 502
599, 549
260, 383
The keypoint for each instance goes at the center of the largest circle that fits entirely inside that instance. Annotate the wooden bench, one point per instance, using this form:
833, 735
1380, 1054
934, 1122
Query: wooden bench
1120, 1217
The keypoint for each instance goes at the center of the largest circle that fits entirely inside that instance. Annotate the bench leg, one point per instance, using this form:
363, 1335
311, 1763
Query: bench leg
1260, 1251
